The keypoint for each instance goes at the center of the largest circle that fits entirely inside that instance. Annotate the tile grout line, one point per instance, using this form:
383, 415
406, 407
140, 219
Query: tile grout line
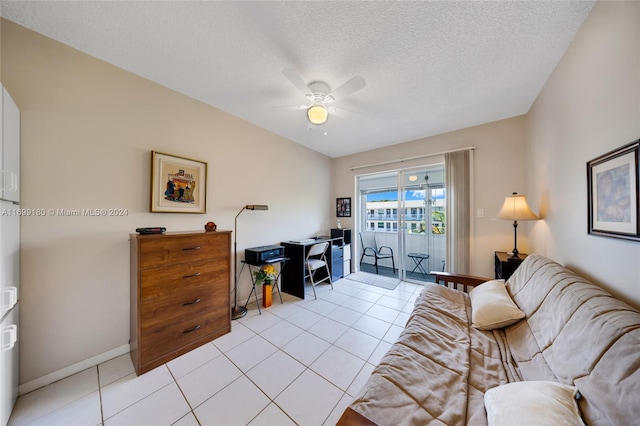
308, 367
102, 419
141, 399
175, 380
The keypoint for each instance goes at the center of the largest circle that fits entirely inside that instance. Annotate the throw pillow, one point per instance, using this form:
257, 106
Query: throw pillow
532, 403
491, 306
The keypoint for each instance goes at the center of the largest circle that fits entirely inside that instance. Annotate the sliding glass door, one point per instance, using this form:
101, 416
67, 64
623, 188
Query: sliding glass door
378, 224
402, 212
423, 222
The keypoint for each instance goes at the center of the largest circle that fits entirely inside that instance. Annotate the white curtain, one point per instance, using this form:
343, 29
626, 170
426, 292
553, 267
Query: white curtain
458, 224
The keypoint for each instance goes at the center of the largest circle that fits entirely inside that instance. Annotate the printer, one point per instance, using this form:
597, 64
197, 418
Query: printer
262, 254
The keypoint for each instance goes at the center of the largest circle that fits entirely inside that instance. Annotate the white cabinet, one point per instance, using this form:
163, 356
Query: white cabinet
8, 363
9, 255
10, 152
9, 302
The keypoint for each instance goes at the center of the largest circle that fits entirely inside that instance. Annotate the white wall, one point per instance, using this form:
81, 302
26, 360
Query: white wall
499, 170
589, 106
87, 132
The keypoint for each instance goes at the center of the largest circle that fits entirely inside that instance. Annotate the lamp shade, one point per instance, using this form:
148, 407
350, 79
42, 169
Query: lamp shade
256, 207
317, 114
515, 207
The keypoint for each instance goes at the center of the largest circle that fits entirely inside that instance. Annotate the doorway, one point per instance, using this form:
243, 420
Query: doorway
403, 211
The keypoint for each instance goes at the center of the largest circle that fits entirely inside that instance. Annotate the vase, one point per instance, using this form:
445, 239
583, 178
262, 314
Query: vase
266, 295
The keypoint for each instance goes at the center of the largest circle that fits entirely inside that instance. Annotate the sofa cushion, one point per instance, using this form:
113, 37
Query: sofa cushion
491, 306
578, 334
532, 403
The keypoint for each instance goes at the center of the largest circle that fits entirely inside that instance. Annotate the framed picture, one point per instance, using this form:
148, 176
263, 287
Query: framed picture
343, 207
612, 181
178, 184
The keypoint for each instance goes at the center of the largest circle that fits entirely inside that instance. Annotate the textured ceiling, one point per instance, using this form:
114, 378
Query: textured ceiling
430, 66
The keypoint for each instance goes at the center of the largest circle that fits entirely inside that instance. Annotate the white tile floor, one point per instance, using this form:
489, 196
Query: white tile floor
300, 362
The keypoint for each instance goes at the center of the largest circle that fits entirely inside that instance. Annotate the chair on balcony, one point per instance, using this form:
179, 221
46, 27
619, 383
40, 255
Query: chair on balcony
384, 252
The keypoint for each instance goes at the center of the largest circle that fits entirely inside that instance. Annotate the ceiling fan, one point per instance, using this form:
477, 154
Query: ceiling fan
319, 95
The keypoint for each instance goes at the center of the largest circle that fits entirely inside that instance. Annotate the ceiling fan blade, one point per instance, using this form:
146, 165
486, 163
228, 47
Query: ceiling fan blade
349, 87
341, 112
294, 107
322, 129
297, 81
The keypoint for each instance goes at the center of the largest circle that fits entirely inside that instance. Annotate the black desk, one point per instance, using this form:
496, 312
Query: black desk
293, 275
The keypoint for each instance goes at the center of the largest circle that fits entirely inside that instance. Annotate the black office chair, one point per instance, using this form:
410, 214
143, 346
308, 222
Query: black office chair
384, 252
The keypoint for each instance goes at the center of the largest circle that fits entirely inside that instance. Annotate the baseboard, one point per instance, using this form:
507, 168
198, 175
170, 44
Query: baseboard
72, 369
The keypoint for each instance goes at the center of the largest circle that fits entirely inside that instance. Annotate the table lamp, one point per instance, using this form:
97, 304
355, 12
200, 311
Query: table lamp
240, 311
515, 208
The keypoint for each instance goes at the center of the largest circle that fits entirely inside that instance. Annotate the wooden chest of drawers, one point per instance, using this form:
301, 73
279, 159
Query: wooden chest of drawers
180, 294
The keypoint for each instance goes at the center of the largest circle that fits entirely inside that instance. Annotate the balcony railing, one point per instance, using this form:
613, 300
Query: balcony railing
378, 216
433, 245
394, 217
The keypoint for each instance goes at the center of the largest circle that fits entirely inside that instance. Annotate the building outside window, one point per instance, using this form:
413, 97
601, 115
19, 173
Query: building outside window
382, 211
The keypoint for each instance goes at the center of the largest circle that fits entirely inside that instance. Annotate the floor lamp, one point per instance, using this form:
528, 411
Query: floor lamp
515, 208
240, 311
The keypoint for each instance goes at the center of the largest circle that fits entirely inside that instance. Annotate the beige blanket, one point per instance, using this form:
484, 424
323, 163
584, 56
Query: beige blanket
438, 370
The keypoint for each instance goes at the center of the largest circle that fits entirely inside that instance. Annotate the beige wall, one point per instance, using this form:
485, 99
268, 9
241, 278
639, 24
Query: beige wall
589, 106
88, 128
499, 170
87, 132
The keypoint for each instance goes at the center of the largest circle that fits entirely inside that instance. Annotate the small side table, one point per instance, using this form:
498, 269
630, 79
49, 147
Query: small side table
417, 259
505, 266
280, 260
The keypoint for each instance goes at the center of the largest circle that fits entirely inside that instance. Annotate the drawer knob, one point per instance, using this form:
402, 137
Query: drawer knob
191, 302
197, 274
192, 329
191, 248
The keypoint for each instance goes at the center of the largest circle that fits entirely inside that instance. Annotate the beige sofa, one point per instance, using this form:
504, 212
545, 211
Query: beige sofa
573, 333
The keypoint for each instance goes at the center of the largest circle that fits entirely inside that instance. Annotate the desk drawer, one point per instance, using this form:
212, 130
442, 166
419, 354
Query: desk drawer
160, 251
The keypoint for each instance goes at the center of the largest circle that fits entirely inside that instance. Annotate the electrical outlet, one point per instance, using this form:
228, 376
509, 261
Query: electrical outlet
480, 212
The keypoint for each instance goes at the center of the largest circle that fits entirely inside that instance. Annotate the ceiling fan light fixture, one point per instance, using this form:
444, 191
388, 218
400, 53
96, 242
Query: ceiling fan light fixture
317, 114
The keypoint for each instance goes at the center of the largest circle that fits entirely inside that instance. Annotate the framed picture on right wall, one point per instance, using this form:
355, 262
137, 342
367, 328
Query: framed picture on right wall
612, 182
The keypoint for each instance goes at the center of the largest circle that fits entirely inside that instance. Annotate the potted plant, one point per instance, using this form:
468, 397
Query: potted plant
266, 276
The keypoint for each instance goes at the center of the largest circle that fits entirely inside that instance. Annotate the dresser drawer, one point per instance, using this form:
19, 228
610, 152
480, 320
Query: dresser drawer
158, 341
171, 282
191, 305
156, 252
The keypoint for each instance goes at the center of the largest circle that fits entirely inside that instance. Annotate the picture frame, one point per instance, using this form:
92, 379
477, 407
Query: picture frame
178, 184
343, 207
613, 200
